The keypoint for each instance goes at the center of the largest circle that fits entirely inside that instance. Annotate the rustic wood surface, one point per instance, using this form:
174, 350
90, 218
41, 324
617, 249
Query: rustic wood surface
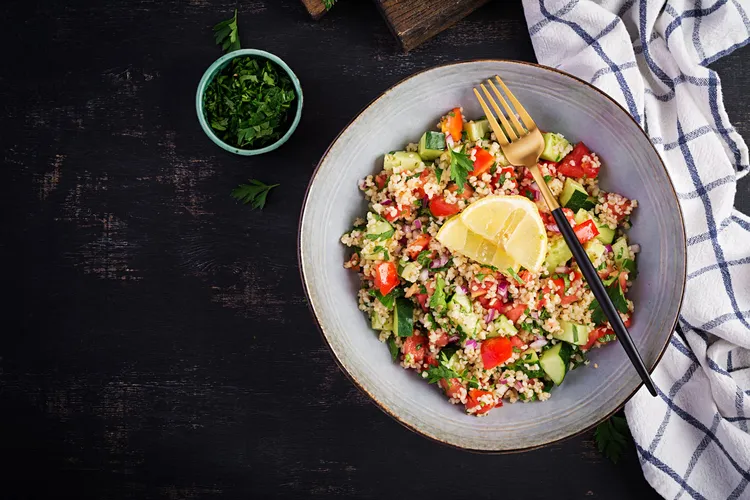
415, 21
156, 341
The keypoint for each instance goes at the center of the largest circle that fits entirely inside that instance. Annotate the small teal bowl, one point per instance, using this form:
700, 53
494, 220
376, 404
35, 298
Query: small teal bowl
215, 68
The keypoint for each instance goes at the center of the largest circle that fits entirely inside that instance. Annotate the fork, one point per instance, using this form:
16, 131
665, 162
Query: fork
522, 145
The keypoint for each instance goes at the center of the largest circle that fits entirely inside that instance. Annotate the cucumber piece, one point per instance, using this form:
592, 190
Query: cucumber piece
582, 216
476, 130
410, 272
381, 322
403, 317
554, 361
555, 147
503, 327
558, 253
573, 333
378, 229
461, 314
405, 160
594, 249
529, 357
621, 251
575, 197
431, 145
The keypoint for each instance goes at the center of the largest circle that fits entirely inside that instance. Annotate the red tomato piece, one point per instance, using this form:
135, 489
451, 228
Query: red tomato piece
422, 298
586, 231
386, 277
419, 244
430, 359
627, 322
381, 180
623, 279
568, 299
419, 191
465, 194
473, 403
440, 208
551, 224
483, 161
590, 168
416, 346
496, 351
515, 341
596, 334
618, 212
452, 387
503, 175
515, 313
559, 284
391, 215
453, 124
572, 164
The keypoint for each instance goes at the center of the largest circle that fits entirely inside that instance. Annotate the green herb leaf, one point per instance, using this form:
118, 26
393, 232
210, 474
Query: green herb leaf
424, 258
617, 297
387, 300
437, 301
547, 178
461, 165
437, 373
254, 193
226, 34
612, 437
384, 250
630, 266
515, 276
328, 4
393, 348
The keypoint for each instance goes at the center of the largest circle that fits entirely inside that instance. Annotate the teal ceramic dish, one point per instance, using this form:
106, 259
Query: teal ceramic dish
215, 68
558, 102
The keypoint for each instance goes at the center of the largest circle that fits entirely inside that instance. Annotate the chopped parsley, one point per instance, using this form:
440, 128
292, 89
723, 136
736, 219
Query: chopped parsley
547, 178
437, 301
254, 193
385, 252
387, 300
439, 372
393, 348
618, 300
424, 258
515, 276
630, 266
461, 166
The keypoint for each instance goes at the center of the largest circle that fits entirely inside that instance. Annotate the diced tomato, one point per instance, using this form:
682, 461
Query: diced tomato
496, 351
354, 262
416, 346
381, 180
473, 403
559, 284
483, 161
570, 169
551, 224
568, 299
524, 275
453, 124
479, 288
499, 403
419, 191
623, 278
386, 277
595, 335
391, 215
590, 168
442, 340
627, 321
452, 387
515, 341
422, 298
465, 194
430, 359
419, 244
550, 166
618, 215
503, 175
527, 174
572, 164
440, 208
586, 231
515, 313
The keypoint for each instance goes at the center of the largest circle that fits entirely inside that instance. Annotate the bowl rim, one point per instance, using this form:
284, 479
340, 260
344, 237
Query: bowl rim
208, 77
383, 407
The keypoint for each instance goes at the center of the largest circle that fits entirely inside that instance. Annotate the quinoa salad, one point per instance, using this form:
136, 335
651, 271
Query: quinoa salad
484, 334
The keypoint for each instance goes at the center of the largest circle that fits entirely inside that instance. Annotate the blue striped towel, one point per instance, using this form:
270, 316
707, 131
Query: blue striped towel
651, 56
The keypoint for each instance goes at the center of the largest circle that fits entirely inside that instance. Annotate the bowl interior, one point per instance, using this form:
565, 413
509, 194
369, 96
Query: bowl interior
219, 65
559, 103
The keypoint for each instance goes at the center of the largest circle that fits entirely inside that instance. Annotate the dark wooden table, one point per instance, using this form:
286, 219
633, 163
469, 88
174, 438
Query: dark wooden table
156, 342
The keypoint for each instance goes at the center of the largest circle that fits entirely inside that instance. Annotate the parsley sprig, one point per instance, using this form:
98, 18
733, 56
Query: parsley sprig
254, 193
612, 437
461, 165
618, 299
227, 35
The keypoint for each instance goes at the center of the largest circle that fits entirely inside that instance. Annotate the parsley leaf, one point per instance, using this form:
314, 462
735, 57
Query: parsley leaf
597, 317
226, 34
393, 348
436, 373
328, 4
424, 258
461, 165
547, 178
630, 266
437, 301
612, 437
515, 276
618, 299
387, 300
384, 250
254, 193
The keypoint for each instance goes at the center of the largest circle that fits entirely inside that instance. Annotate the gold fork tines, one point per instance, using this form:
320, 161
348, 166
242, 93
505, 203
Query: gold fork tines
522, 144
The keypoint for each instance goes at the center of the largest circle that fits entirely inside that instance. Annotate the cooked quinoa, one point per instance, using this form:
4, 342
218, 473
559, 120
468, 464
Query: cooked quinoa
483, 335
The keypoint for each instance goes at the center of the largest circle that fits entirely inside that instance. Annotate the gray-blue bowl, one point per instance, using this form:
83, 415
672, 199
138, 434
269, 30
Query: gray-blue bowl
558, 102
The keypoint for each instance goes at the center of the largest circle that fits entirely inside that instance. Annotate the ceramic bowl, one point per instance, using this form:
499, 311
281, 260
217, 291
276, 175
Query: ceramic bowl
208, 77
558, 102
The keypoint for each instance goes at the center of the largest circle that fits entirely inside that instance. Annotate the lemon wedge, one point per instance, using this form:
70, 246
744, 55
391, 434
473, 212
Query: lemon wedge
502, 231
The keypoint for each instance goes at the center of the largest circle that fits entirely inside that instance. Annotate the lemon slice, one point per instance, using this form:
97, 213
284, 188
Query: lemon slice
502, 231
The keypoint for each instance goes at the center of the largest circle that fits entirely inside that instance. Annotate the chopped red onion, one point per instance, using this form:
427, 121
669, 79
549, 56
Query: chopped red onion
609, 248
534, 314
463, 290
538, 343
439, 262
562, 270
502, 381
519, 384
471, 343
490, 315
402, 241
361, 184
386, 202
535, 189
552, 227
454, 338
418, 224
502, 289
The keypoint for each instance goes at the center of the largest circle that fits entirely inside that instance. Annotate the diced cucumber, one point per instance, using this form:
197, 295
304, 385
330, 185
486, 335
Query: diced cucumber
558, 253
476, 130
530, 358
555, 147
575, 197
378, 253
407, 160
403, 317
378, 228
573, 333
554, 361
503, 327
410, 272
431, 145
381, 322
461, 313
594, 249
621, 251
582, 216
606, 235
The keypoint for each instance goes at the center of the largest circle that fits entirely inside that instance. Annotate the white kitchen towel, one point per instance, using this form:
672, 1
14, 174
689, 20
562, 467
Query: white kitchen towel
652, 57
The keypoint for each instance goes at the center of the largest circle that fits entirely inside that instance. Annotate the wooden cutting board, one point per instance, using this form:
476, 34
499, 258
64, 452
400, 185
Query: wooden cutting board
413, 21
